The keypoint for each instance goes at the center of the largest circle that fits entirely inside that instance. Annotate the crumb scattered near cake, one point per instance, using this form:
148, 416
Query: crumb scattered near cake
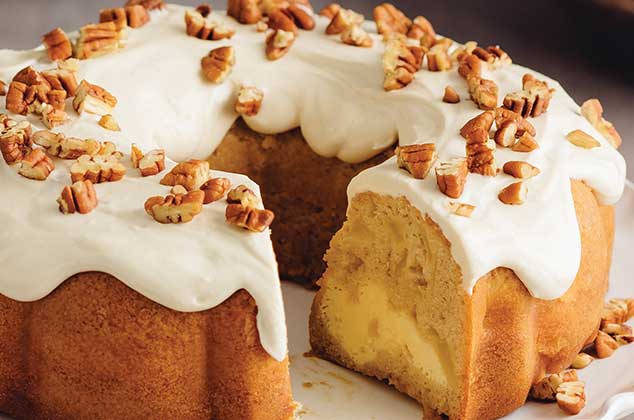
307, 384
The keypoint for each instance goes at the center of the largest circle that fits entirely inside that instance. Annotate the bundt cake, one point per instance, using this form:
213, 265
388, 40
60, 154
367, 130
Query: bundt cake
139, 273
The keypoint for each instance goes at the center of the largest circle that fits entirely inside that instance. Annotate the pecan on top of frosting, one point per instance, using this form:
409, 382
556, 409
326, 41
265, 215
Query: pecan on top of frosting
532, 101
93, 99
175, 208
132, 16
400, 63
593, 112
98, 39
198, 26
217, 65
147, 4
80, 197
57, 44
278, 43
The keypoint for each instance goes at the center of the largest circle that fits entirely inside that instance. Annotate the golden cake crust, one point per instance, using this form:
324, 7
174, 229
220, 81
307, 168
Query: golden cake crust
96, 349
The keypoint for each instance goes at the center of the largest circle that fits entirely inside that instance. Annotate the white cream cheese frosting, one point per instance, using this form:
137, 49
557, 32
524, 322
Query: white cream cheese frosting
334, 93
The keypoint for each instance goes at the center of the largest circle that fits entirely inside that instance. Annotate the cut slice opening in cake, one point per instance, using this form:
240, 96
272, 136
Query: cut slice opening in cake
306, 191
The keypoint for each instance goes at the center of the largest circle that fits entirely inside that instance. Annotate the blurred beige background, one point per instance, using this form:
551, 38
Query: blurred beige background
589, 48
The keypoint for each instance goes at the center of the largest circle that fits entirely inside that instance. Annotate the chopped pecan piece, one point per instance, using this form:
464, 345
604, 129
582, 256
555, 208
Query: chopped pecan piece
451, 177
461, 209
249, 218
571, 397
278, 43
136, 15
245, 11
330, 10
519, 169
513, 194
581, 361
502, 114
593, 112
469, 66
617, 311
506, 134
532, 101
477, 128
451, 96
190, 174
249, 101
149, 164
281, 19
58, 145
3, 88
61, 79
93, 99
462, 51
342, 20
582, 139
80, 197
16, 101
438, 58
197, 26
546, 388
217, 65
493, 55
483, 92
58, 45
36, 165
400, 63
481, 157
421, 27
215, 189
177, 208
617, 329
244, 196
300, 16
417, 159
115, 15
15, 139
390, 20
97, 169
97, 39
132, 16
109, 123
356, 36
51, 116
147, 4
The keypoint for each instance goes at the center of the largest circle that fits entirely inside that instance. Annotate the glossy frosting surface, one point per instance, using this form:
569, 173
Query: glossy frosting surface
334, 93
